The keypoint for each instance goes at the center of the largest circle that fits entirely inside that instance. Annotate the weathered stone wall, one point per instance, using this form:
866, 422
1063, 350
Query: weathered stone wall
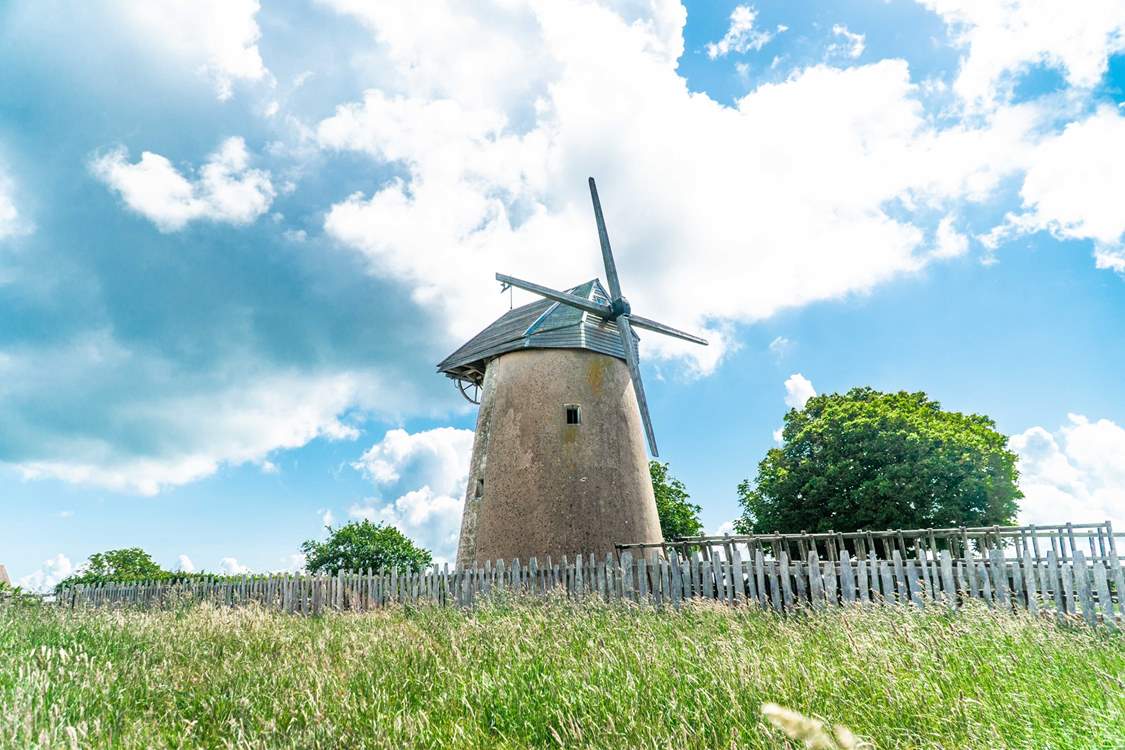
538, 486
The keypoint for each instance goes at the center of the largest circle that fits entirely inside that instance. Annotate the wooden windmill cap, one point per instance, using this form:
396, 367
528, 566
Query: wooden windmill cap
542, 324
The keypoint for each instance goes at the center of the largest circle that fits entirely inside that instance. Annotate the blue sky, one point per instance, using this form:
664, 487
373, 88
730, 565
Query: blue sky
234, 241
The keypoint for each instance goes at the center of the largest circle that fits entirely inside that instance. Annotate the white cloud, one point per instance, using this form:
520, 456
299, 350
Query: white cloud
232, 567
11, 222
949, 243
741, 36
808, 189
1073, 188
438, 458
429, 469
726, 527
218, 38
238, 418
1076, 474
779, 435
1004, 38
780, 346
327, 519
184, 564
43, 580
226, 190
65, 514
798, 390
851, 44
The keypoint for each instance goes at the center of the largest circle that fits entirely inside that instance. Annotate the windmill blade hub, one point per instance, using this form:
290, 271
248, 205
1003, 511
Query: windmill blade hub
619, 307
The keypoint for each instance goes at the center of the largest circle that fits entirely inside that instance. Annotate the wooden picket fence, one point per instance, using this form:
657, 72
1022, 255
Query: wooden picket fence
1073, 588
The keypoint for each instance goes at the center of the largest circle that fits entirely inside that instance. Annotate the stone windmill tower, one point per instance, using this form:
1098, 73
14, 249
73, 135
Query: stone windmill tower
559, 464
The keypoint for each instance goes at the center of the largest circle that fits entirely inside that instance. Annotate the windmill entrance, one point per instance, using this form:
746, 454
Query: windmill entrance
559, 463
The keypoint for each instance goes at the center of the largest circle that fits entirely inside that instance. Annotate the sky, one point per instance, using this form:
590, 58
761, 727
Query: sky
236, 239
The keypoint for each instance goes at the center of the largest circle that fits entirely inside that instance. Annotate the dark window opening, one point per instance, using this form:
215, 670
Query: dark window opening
573, 415
480, 489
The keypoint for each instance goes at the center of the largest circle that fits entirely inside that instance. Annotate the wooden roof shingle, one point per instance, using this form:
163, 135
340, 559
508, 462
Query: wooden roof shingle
542, 324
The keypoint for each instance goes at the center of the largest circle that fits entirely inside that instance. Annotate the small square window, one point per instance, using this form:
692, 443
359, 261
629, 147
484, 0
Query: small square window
573, 414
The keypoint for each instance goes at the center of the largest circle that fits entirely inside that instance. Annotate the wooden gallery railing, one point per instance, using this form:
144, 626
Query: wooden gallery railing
729, 570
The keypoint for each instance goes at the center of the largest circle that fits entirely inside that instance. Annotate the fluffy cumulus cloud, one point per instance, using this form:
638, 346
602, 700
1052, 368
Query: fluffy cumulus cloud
184, 564
1076, 473
1073, 188
798, 390
52, 571
807, 189
848, 43
216, 38
1004, 38
741, 36
225, 190
427, 470
232, 567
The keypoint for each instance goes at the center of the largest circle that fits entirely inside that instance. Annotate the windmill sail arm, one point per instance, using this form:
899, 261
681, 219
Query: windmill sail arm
603, 238
626, 333
565, 298
652, 325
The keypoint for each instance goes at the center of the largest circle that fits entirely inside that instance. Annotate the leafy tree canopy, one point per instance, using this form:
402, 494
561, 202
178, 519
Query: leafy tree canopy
362, 545
129, 564
678, 517
873, 460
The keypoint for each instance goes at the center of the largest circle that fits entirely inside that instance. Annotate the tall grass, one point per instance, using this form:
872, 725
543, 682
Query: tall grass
517, 674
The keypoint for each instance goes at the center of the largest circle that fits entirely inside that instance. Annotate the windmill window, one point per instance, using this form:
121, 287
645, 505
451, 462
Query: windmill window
479, 494
573, 414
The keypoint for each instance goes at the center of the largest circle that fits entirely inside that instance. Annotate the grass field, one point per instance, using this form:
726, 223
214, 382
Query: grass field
518, 674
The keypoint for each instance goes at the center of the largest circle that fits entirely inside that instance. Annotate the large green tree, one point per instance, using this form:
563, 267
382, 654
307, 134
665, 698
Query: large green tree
678, 517
873, 460
362, 545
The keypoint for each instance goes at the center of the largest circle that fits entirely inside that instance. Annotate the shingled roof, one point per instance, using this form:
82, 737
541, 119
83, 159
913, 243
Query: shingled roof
542, 324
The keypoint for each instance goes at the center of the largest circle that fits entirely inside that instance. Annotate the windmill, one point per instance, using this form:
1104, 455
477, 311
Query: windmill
558, 463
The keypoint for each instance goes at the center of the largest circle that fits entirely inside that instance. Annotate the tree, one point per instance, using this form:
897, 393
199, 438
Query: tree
678, 517
362, 545
873, 460
129, 564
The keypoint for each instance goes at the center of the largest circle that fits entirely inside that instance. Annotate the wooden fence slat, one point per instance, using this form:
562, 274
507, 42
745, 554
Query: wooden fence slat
914, 583
1082, 587
863, 591
737, 577
1105, 603
1118, 576
816, 582
800, 579
828, 569
784, 572
1017, 585
901, 588
1031, 589
847, 579
887, 580
999, 576
760, 577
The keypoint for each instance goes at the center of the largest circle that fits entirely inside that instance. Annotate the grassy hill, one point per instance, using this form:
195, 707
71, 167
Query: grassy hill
520, 674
